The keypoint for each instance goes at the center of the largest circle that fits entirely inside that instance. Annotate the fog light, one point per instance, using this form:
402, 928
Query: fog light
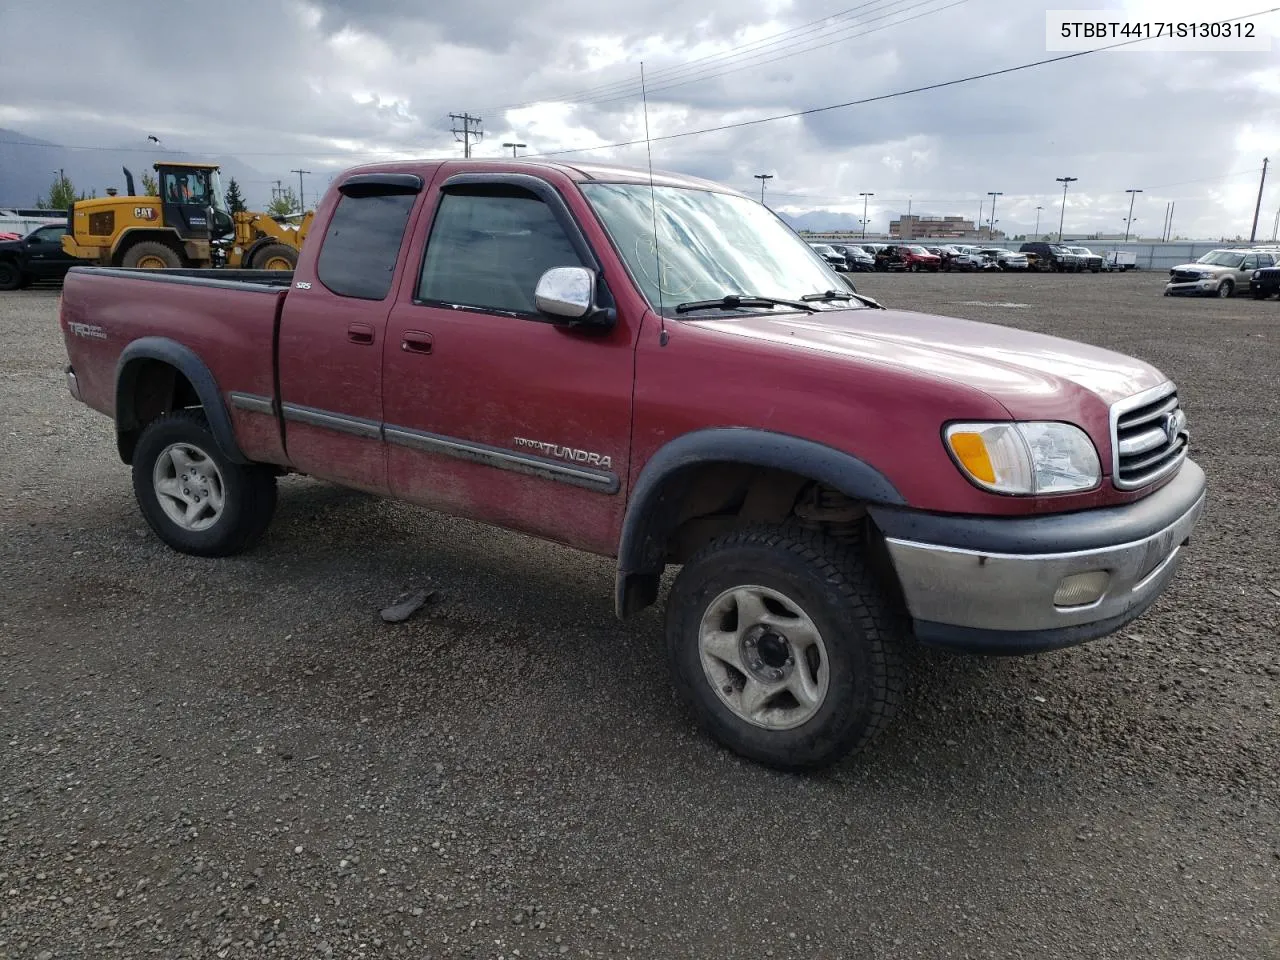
1081, 589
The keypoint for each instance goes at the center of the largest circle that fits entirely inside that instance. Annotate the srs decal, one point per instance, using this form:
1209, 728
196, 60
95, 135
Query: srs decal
571, 454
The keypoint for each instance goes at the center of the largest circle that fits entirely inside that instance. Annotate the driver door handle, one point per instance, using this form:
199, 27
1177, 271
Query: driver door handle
415, 341
359, 332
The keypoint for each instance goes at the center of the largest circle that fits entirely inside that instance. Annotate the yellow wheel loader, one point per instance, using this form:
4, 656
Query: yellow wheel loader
187, 225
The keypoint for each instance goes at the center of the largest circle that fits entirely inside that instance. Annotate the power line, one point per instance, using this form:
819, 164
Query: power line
876, 99
744, 65
301, 194
668, 73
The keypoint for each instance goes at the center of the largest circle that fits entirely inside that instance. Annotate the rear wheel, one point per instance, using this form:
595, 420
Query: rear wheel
275, 256
784, 647
194, 498
151, 255
10, 276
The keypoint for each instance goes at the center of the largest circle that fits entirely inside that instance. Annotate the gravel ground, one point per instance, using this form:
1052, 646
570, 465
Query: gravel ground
237, 758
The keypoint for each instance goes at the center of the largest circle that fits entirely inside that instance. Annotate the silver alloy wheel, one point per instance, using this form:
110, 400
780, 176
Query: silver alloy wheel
188, 486
1225, 289
764, 657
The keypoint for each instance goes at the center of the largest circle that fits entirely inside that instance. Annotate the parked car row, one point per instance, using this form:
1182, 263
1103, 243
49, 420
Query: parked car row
933, 257
1222, 273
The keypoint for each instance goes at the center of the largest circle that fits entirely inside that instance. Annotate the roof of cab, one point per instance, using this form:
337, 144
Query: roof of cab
579, 172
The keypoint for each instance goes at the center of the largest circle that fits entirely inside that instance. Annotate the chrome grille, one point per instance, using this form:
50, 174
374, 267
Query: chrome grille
1186, 276
1149, 437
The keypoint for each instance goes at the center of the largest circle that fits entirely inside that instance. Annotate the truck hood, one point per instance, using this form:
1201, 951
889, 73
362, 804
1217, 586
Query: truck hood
1020, 369
1205, 268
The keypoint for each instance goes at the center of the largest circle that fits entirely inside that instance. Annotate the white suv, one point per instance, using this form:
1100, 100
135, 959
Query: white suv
1218, 273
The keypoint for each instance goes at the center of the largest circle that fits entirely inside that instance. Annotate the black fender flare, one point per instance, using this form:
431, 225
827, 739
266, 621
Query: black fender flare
654, 500
185, 361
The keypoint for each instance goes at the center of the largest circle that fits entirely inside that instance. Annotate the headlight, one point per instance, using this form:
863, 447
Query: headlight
1025, 458
1257, 274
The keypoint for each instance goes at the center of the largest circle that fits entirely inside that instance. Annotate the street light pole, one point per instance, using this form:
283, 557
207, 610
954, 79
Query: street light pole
1066, 182
864, 212
991, 230
763, 178
1037, 230
1129, 222
513, 147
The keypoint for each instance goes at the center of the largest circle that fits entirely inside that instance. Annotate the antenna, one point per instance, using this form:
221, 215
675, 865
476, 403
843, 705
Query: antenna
653, 205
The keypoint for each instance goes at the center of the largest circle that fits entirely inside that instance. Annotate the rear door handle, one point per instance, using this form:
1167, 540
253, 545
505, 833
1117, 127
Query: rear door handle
360, 332
415, 341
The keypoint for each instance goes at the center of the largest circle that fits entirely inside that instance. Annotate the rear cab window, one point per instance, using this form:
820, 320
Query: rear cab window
362, 242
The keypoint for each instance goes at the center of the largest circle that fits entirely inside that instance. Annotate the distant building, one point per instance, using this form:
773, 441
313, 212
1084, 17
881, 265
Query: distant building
940, 228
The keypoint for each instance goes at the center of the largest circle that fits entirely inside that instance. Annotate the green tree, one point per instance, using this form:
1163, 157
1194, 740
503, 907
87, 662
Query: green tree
62, 193
285, 203
235, 199
150, 187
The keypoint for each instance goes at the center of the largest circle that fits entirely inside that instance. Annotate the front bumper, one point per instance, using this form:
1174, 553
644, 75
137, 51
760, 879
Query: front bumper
988, 584
1205, 285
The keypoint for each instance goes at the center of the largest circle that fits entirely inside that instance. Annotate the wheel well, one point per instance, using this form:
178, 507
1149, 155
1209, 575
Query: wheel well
148, 389
700, 503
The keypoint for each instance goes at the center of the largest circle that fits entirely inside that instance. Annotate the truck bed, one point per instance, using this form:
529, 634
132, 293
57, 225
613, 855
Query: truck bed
216, 326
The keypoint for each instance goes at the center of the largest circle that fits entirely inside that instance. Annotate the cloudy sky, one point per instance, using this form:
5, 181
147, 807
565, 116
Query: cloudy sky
324, 84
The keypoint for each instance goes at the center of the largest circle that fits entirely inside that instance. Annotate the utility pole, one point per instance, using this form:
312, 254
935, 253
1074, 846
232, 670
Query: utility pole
1066, 182
1275, 227
470, 129
1036, 234
993, 194
301, 203
1170, 231
513, 147
1253, 234
1129, 220
763, 178
1164, 224
277, 190
864, 212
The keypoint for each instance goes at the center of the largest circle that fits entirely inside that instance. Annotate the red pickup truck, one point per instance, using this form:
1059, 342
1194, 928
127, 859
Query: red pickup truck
661, 372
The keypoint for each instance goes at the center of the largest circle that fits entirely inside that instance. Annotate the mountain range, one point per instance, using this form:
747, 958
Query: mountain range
29, 166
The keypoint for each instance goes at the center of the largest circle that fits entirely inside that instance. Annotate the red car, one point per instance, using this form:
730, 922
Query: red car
918, 258
835, 479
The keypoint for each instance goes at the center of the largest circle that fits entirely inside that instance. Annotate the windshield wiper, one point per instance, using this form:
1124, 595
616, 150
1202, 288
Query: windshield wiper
831, 295
733, 301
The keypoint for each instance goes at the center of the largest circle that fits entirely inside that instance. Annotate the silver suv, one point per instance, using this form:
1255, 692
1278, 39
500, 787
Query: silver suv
1218, 273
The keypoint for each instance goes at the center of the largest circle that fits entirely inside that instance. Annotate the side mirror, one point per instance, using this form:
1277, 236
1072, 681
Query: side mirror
569, 294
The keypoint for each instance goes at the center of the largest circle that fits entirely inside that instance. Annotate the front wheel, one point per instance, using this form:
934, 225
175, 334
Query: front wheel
194, 498
784, 647
1225, 289
10, 276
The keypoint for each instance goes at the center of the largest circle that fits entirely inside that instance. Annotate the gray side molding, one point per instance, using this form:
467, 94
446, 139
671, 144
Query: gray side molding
655, 499
185, 361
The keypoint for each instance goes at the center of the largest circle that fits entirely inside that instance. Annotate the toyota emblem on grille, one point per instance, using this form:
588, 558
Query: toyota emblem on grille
1173, 424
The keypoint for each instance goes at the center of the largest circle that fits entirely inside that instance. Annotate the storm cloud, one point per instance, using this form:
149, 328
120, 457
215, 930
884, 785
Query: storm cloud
281, 84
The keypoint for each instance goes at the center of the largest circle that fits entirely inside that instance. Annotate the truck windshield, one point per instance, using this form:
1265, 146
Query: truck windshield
711, 245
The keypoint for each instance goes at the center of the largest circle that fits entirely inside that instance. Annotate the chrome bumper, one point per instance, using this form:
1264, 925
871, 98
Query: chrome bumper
993, 601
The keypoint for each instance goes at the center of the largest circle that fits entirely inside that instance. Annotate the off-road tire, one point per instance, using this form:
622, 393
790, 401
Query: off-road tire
862, 629
151, 248
10, 276
249, 489
274, 251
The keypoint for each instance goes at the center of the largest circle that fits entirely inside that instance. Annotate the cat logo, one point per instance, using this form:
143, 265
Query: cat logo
146, 213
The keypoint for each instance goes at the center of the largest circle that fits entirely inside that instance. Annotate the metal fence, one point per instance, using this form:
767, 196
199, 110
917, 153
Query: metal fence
1149, 255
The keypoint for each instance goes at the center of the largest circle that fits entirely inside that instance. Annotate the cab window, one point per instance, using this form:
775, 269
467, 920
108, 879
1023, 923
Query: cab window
488, 247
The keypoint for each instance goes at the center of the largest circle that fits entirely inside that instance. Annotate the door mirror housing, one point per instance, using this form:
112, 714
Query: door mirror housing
568, 296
